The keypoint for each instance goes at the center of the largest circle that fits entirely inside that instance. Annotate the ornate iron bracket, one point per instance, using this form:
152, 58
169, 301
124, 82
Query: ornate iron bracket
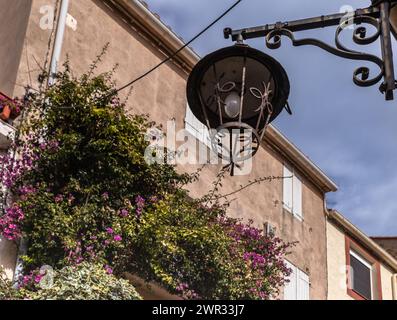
377, 16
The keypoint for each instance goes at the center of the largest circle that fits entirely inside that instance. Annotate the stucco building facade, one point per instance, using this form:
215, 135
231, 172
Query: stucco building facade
138, 40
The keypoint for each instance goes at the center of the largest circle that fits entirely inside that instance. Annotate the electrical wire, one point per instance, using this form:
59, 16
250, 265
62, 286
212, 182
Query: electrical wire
176, 52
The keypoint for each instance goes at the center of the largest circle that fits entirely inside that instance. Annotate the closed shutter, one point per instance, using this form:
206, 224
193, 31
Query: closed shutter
298, 287
196, 128
290, 288
287, 189
303, 286
297, 197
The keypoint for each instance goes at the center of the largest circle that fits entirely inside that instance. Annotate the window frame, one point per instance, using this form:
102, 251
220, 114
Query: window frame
369, 261
367, 265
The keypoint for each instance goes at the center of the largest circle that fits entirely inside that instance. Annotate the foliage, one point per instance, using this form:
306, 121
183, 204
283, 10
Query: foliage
7, 292
198, 252
79, 282
85, 194
85, 282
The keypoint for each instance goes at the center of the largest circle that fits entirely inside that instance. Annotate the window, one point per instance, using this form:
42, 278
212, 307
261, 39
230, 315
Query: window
298, 287
292, 193
360, 275
196, 128
363, 273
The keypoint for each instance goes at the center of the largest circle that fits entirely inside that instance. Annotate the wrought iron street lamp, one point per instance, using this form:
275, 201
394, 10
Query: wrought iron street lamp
242, 88
236, 92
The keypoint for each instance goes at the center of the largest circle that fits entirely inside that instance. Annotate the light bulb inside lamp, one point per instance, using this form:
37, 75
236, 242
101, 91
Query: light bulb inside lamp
232, 104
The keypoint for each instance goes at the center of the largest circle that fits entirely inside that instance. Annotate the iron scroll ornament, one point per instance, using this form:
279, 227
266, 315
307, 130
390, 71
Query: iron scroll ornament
361, 76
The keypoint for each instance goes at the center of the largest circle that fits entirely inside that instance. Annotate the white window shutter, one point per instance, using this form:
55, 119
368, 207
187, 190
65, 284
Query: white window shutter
287, 189
303, 285
298, 287
191, 123
290, 288
297, 197
195, 127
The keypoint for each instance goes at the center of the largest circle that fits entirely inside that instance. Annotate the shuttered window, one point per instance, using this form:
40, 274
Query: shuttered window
290, 288
292, 192
303, 286
298, 287
361, 275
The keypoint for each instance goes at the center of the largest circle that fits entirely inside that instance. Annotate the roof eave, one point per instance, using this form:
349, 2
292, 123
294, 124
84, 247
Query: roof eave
153, 25
300, 160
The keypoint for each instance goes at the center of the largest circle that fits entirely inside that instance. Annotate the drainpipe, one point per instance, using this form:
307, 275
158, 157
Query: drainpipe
326, 213
58, 43
394, 285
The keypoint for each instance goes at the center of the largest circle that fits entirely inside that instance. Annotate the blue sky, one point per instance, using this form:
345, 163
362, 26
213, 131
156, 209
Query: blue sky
350, 132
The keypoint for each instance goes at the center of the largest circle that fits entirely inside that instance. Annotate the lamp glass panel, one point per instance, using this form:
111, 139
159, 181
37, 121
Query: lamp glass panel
227, 74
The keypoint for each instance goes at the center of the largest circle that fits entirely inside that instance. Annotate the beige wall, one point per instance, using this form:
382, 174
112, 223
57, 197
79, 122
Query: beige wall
14, 15
161, 92
337, 285
162, 95
386, 279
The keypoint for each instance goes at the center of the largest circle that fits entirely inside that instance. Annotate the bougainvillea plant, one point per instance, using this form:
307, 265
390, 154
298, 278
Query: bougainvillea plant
83, 193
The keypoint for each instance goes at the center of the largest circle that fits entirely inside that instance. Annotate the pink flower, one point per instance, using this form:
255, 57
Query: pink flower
109, 230
10, 223
79, 260
124, 212
108, 269
25, 280
140, 204
117, 238
59, 198
38, 278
